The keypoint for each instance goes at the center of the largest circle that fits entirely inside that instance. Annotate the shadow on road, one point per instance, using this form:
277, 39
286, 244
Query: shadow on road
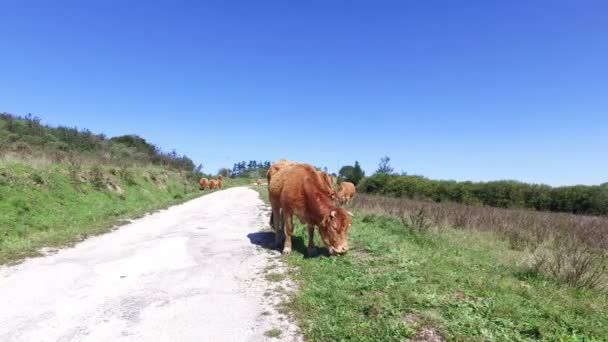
265, 239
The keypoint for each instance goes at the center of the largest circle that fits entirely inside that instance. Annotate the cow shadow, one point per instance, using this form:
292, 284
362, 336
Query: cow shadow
265, 239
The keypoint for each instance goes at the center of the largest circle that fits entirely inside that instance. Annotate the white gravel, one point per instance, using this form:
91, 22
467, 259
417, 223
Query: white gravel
188, 273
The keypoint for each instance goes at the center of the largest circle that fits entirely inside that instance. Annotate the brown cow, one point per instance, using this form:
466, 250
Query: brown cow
258, 182
213, 184
298, 190
220, 184
204, 182
275, 167
324, 178
220, 178
327, 184
346, 193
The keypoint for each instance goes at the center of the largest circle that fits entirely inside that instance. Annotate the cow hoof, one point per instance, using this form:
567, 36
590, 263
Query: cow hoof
286, 251
312, 252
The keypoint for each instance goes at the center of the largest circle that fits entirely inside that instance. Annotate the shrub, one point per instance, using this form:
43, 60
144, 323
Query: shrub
588, 200
98, 179
572, 262
26, 136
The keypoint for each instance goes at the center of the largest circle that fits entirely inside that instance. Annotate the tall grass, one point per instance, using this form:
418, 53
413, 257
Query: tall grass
572, 248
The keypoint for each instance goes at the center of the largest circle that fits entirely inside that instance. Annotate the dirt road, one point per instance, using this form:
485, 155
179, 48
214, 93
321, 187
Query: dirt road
189, 273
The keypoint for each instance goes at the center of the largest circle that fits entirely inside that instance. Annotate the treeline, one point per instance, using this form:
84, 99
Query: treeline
580, 199
27, 135
251, 169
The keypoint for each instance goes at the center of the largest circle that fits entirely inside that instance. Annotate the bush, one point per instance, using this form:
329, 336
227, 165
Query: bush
572, 262
27, 136
588, 200
98, 180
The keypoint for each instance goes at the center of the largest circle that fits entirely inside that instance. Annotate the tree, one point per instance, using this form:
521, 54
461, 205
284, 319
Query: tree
385, 165
346, 172
358, 174
224, 172
352, 174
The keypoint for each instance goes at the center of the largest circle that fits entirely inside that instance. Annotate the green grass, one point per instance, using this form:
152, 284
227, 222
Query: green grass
469, 286
275, 277
273, 333
53, 205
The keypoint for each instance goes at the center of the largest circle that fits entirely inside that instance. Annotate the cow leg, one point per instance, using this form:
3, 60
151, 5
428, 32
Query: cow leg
312, 250
277, 225
288, 223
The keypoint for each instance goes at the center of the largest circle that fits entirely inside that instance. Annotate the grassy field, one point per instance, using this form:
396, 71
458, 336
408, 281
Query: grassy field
398, 283
58, 204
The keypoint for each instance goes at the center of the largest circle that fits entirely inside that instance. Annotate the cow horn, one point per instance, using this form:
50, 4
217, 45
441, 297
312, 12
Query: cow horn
351, 214
333, 213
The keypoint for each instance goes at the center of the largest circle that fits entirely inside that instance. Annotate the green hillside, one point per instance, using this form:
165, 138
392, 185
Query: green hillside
59, 185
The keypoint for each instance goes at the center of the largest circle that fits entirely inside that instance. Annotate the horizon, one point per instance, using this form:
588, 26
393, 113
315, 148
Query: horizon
466, 92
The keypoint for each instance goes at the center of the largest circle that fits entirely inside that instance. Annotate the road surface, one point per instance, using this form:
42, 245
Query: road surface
188, 273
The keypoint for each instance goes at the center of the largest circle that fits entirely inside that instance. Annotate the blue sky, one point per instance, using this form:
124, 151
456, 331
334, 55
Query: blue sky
465, 90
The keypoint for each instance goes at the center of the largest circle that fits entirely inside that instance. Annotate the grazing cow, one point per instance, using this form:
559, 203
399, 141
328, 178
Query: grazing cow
275, 167
298, 190
346, 193
213, 184
204, 182
220, 178
220, 184
258, 182
327, 184
324, 178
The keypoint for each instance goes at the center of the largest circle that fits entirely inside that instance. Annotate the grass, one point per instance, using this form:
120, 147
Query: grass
468, 285
55, 205
274, 332
275, 277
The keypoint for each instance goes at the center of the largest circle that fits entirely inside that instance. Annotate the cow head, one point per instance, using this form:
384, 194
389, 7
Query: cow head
333, 230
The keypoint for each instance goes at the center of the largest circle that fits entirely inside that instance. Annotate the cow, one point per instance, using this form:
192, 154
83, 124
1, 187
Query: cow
346, 193
204, 182
327, 184
213, 184
298, 190
324, 177
275, 167
258, 182
220, 178
220, 184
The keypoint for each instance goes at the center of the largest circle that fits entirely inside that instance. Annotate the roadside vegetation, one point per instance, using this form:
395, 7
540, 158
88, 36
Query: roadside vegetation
59, 185
578, 199
457, 273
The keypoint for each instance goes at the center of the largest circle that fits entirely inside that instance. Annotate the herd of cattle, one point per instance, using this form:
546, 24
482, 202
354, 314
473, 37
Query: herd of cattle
211, 184
297, 189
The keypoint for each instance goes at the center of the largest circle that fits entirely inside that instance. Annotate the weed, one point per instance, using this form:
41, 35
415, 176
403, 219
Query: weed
273, 333
275, 277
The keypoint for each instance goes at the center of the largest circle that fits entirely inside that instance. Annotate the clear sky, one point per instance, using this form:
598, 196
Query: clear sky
464, 90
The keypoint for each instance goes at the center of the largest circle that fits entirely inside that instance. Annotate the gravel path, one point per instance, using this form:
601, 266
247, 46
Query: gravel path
193, 272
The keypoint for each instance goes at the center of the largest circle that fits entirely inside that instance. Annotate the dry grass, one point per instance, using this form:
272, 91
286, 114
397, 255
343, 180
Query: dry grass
572, 248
